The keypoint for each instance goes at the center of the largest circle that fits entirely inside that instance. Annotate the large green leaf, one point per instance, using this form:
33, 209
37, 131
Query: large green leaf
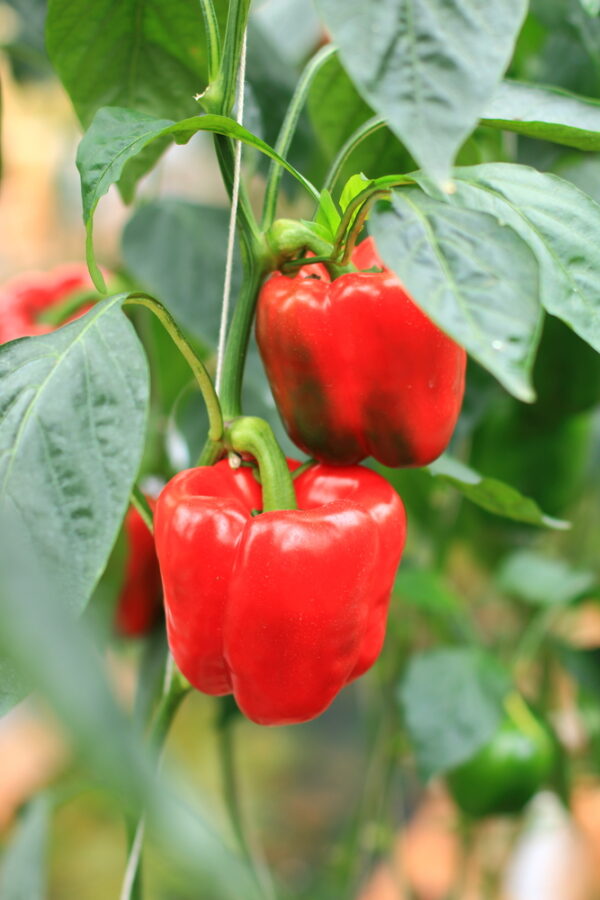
117, 136
125, 53
561, 225
491, 494
73, 413
176, 250
452, 700
472, 274
59, 656
546, 113
336, 110
23, 867
542, 581
427, 66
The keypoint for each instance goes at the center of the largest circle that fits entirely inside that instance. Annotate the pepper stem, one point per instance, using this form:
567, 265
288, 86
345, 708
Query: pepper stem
249, 434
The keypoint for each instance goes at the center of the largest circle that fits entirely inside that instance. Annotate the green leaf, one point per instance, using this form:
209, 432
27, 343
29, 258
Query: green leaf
427, 66
73, 412
123, 53
452, 701
12, 687
353, 187
426, 591
327, 215
592, 7
560, 224
176, 250
471, 274
549, 114
337, 110
117, 136
542, 581
23, 866
491, 494
583, 665
59, 655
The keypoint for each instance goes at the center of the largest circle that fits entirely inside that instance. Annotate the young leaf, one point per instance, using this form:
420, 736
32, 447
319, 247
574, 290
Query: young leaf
560, 224
542, 581
117, 136
327, 215
549, 114
354, 186
491, 494
452, 701
73, 411
176, 250
118, 53
471, 274
427, 66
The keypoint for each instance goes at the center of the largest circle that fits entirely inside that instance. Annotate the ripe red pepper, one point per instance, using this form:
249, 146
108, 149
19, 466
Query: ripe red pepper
284, 608
356, 368
24, 298
139, 602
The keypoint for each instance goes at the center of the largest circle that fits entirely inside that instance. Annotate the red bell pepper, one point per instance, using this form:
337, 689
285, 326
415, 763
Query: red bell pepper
139, 602
24, 298
284, 608
356, 368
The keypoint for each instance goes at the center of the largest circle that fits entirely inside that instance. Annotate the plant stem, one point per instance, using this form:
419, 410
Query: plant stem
231, 794
215, 419
220, 95
175, 689
288, 129
213, 39
237, 343
364, 131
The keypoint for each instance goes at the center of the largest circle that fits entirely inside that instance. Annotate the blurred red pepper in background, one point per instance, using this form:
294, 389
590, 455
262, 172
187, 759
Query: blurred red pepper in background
25, 298
139, 602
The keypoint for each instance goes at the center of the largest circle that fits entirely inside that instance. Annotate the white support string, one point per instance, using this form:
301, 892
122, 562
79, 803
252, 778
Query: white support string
237, 165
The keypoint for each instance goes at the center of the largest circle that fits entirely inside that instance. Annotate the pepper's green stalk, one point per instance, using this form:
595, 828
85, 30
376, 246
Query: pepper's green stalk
287, 238
362, 132
215, 419
249, 434
213, 39
288, 128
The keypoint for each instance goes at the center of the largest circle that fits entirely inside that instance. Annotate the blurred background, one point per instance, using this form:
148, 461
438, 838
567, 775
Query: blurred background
338, 801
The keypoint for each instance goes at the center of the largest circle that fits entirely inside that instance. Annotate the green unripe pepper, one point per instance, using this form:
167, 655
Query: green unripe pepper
506, 773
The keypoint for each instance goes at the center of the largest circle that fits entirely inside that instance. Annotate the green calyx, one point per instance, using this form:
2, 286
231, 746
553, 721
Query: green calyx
249, 434
287, 241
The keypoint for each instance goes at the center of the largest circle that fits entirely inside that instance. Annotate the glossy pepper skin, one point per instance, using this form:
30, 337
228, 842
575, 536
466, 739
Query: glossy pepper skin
139, 602
284, 608
506, 773
24, 298
356, 368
